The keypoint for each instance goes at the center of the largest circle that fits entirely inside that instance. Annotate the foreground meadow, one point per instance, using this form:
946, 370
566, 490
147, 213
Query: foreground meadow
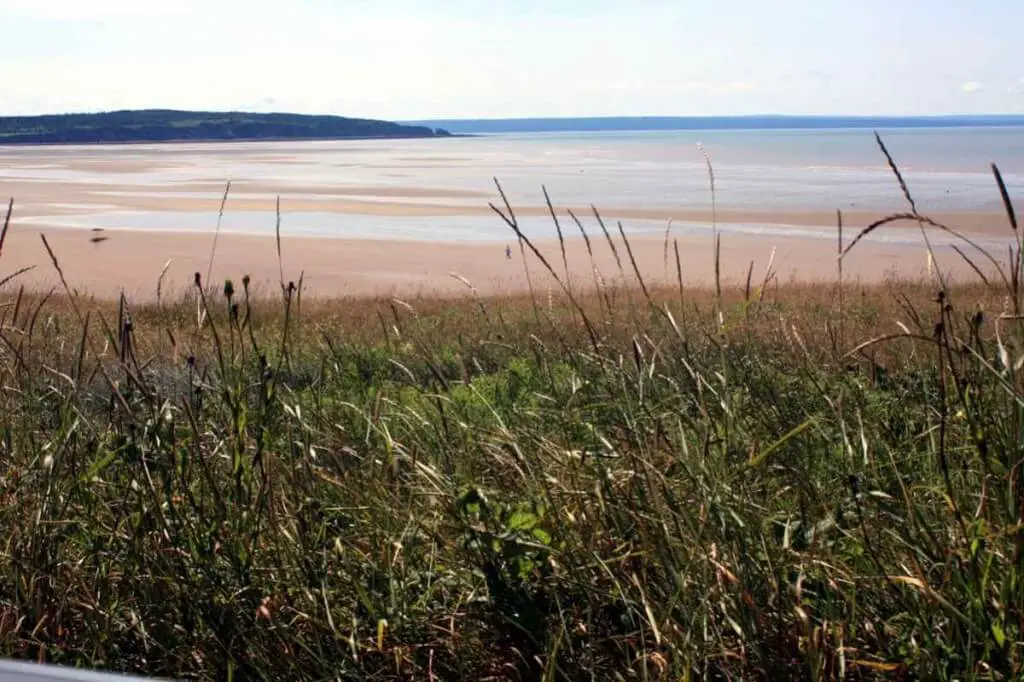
762, 481
464, 489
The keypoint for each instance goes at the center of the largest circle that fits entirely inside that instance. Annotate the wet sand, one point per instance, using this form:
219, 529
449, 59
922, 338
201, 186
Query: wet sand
132, 261
36, 200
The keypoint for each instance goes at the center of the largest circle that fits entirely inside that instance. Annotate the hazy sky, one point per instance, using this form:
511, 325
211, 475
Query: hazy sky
408, 59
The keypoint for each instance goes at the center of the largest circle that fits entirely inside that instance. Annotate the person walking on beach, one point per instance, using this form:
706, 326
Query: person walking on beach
508, 252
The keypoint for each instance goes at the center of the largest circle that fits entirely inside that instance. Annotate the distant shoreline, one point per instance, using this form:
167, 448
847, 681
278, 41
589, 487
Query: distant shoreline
711, 123
228, 140
166, 126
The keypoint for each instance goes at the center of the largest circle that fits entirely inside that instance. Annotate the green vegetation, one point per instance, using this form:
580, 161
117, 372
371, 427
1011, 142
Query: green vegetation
167, 126
771, 482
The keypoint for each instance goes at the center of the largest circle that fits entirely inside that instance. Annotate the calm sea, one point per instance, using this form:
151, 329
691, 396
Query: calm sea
946, 169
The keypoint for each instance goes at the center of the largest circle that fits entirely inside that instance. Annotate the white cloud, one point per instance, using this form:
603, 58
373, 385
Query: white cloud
738, 86
436, 58
72, 10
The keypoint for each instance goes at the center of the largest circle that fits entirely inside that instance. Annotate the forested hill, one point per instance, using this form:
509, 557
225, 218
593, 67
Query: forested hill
173, 126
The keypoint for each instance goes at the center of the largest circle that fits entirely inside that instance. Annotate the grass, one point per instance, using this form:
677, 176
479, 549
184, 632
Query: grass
621, 482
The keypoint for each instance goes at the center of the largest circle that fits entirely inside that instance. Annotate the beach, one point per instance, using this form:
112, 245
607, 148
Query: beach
410, 218
132, 262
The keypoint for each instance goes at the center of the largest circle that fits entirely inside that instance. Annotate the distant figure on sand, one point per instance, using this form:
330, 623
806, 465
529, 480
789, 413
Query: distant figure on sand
508, 252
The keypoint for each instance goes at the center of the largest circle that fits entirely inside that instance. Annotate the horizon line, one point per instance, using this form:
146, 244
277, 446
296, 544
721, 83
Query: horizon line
598, 117
1019, 115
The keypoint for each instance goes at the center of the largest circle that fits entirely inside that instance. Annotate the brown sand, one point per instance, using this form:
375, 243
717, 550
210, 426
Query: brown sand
131, 261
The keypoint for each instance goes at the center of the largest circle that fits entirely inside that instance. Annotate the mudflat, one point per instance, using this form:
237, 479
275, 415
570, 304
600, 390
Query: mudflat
407, 218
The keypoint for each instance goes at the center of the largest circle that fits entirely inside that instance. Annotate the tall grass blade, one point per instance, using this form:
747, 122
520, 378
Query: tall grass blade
6, 224
558, 229
1011, 214
160, 283
608, 238
216, 232
277, 239
14, 275
632, 260
668, 230
510, 220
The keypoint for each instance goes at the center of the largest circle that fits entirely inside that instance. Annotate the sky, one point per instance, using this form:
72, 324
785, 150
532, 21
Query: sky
431, 59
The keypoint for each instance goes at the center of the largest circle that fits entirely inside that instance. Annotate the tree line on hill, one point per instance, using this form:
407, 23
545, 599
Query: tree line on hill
167, 126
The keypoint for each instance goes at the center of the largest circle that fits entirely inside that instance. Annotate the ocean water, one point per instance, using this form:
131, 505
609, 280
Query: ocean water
776, 170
